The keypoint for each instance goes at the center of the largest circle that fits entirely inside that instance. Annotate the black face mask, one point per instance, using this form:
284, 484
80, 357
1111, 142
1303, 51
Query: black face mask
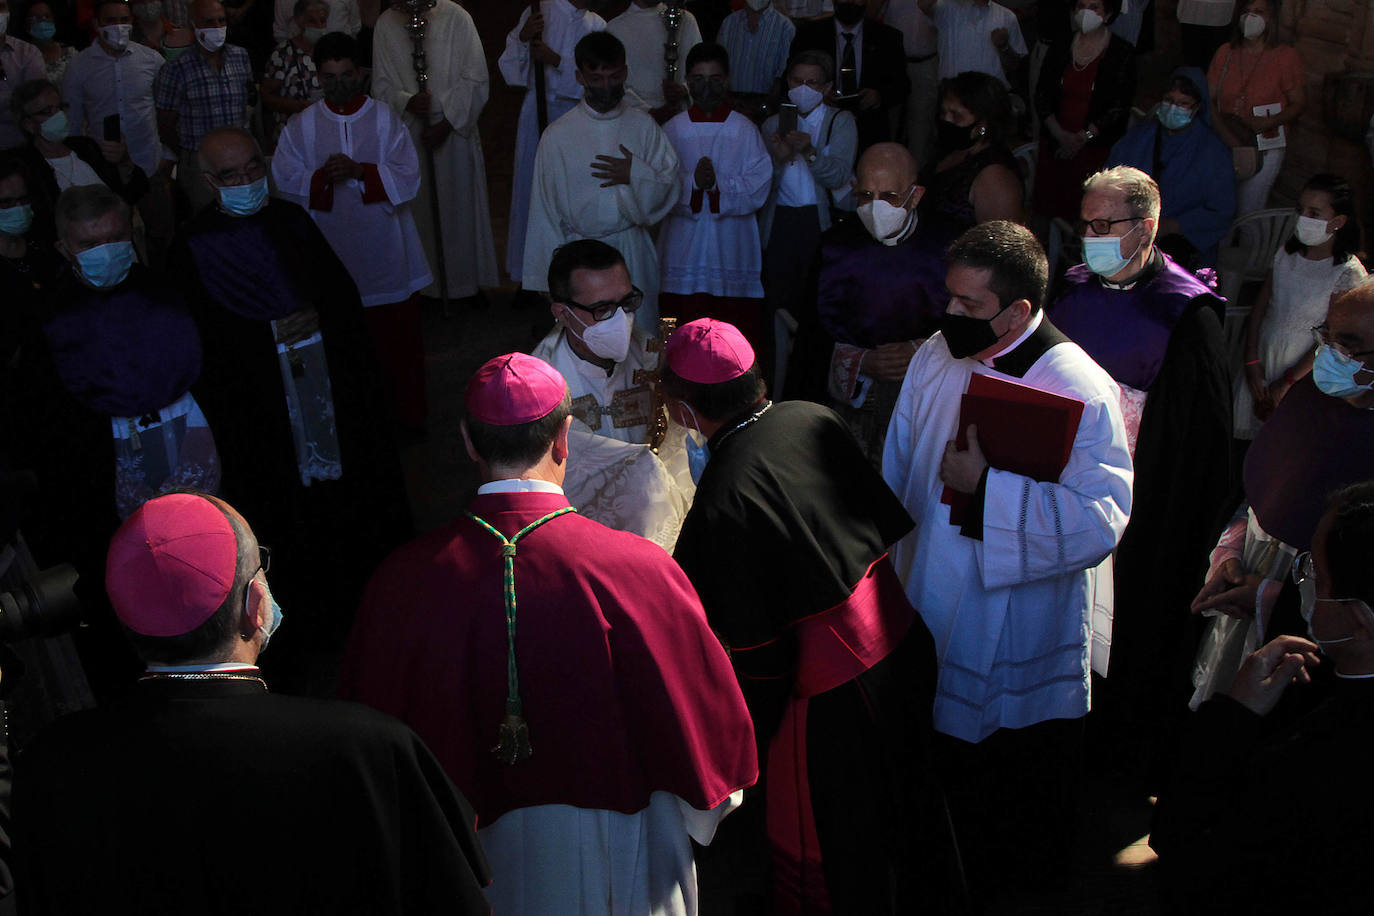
848, 14
707, 96
341, 92
951, 137
603, 98
966, 336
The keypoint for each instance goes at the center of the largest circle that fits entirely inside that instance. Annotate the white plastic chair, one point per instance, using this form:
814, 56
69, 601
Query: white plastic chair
1247, 252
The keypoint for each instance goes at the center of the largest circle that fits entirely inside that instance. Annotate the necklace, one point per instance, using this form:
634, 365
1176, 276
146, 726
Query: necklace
203, 676
745, 422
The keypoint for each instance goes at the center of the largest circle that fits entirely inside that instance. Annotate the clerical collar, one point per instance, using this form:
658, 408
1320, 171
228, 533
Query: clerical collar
519, 485
718, 116
1019, 359
1152, 267
1030, 329
194, 669
221, 671
353, 106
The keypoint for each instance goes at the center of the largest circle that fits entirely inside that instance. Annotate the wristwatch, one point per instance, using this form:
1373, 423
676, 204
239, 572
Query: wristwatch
812, 156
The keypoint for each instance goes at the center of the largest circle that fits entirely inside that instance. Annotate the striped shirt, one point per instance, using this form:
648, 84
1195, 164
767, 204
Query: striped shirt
756, 58
202, 97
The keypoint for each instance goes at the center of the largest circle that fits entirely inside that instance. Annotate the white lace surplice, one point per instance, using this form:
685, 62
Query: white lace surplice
310, 408
163, 450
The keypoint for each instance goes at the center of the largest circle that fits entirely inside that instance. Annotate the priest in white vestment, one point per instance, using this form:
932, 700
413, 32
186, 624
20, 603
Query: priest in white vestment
552, 38
603, 171
443, 121
1008, 592
643, 31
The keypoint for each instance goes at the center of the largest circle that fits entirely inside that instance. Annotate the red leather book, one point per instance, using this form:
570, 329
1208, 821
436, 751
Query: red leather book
1020, 429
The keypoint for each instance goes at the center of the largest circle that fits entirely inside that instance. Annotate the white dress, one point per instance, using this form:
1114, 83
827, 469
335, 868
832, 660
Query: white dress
642, 31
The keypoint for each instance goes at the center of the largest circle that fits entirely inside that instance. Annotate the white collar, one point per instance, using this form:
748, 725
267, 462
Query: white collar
844, 30
1354, 677
193, 669
513, 485
1030, 329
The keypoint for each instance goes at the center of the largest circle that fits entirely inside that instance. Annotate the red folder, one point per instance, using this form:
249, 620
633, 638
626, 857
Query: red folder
1021, 429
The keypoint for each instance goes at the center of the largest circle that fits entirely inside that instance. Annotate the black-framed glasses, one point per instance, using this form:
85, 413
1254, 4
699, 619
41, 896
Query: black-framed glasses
1322, 335
601, 311
1103, 226
264, 560
1302, 569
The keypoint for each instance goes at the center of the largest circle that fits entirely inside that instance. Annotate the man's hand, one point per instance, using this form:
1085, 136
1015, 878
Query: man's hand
1230, 592
419, 103
705, 174
961, 471
888, 362
1071, 144
544, 54
613, 170
799, 140
434, 135
341, 168
1277, 389
1000, 37
534, 26
869, 99
114, 151
1268, 671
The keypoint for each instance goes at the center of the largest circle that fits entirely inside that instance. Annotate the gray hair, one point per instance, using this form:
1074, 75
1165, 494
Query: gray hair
814, 59
84, 203
1140, 190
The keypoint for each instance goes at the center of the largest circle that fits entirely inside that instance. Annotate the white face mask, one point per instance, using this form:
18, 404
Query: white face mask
887, 223
1312, 231
1252, 25
117, 35
1087, 21
609, 339
211, 39
805, 98
1310, 601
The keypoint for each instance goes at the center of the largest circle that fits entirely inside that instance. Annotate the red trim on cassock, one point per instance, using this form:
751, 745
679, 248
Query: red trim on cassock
321, 192
716, 117
373, 190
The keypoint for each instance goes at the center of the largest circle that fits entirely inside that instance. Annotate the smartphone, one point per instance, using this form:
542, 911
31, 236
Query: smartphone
112, 128
787, 118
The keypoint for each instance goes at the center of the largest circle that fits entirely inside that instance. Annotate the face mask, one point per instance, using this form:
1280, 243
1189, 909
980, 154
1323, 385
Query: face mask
211, 39
698, 453
1103, 255
245, 199
1173, 117
117, 35
850, 14
609, 339
966, 336
106, 265
43, 31
1334, 373
1308, 590
147, 12
805, 98
886, 223
55, 128
1252, 25
757, 6
171, 54
16, 220
952, 137
1312, 231
341, 92
271, 627
708, 96
1087, 21
603, 98
313, 34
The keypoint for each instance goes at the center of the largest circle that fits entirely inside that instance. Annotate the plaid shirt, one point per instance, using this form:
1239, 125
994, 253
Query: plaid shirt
202, 98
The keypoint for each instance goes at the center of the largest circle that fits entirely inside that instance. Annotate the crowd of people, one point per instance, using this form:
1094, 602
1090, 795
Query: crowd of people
807, 539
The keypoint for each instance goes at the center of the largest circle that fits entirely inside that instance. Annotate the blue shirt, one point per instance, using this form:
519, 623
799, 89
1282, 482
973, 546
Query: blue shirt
756, 58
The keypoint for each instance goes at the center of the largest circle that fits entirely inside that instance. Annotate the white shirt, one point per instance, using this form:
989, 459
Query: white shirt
72, 171
858, 33
797, 187
99, 84
919, 37
966, 37
343, 17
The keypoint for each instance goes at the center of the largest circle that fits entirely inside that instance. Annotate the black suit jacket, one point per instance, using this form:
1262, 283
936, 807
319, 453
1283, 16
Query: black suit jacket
882, 68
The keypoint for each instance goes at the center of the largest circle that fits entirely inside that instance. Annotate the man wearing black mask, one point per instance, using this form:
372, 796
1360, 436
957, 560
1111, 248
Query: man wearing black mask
603, 171
870, 73
1008, 583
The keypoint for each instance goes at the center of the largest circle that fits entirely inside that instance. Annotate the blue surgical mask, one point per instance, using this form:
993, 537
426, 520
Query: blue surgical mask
106, 265
698, 453
16, 220
1334, 373
56, 127
43, 31
271, 628
1174, 117
1103, 254
244, 199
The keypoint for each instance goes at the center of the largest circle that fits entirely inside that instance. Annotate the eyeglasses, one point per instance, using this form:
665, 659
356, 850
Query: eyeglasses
264, 564
249, 173
896, 198
603, 310
1302, 569
47, 111
813, 83
1103, 226
1322, 335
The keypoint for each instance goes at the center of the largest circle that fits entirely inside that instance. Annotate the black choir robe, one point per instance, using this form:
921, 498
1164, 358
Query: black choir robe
217, 797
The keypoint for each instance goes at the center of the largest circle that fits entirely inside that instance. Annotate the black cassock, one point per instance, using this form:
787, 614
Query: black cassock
217, 797
787, 535
239, 274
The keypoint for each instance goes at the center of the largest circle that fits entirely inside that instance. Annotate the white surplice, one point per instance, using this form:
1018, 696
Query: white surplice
568, 203
458, 87
637, 864
1012, 613
377, 242
710, 241
643, 33
564, 26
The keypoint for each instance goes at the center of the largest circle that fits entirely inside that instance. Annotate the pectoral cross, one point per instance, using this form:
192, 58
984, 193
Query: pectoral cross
658, 424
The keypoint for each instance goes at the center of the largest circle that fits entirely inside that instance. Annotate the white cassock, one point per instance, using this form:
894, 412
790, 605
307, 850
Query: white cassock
377, 241
642, 31
564, 26
344, 16
613, 477
1011, 614
568, 203
458, 88
710, 241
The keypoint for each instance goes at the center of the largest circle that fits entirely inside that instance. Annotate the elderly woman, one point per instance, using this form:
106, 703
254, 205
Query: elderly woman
975, 178
42, 31
290, 83
1257, 88
1083, 98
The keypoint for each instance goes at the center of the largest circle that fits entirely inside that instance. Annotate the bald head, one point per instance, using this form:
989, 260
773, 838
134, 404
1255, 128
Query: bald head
207, 14
230, 157
888, 163
887, 173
